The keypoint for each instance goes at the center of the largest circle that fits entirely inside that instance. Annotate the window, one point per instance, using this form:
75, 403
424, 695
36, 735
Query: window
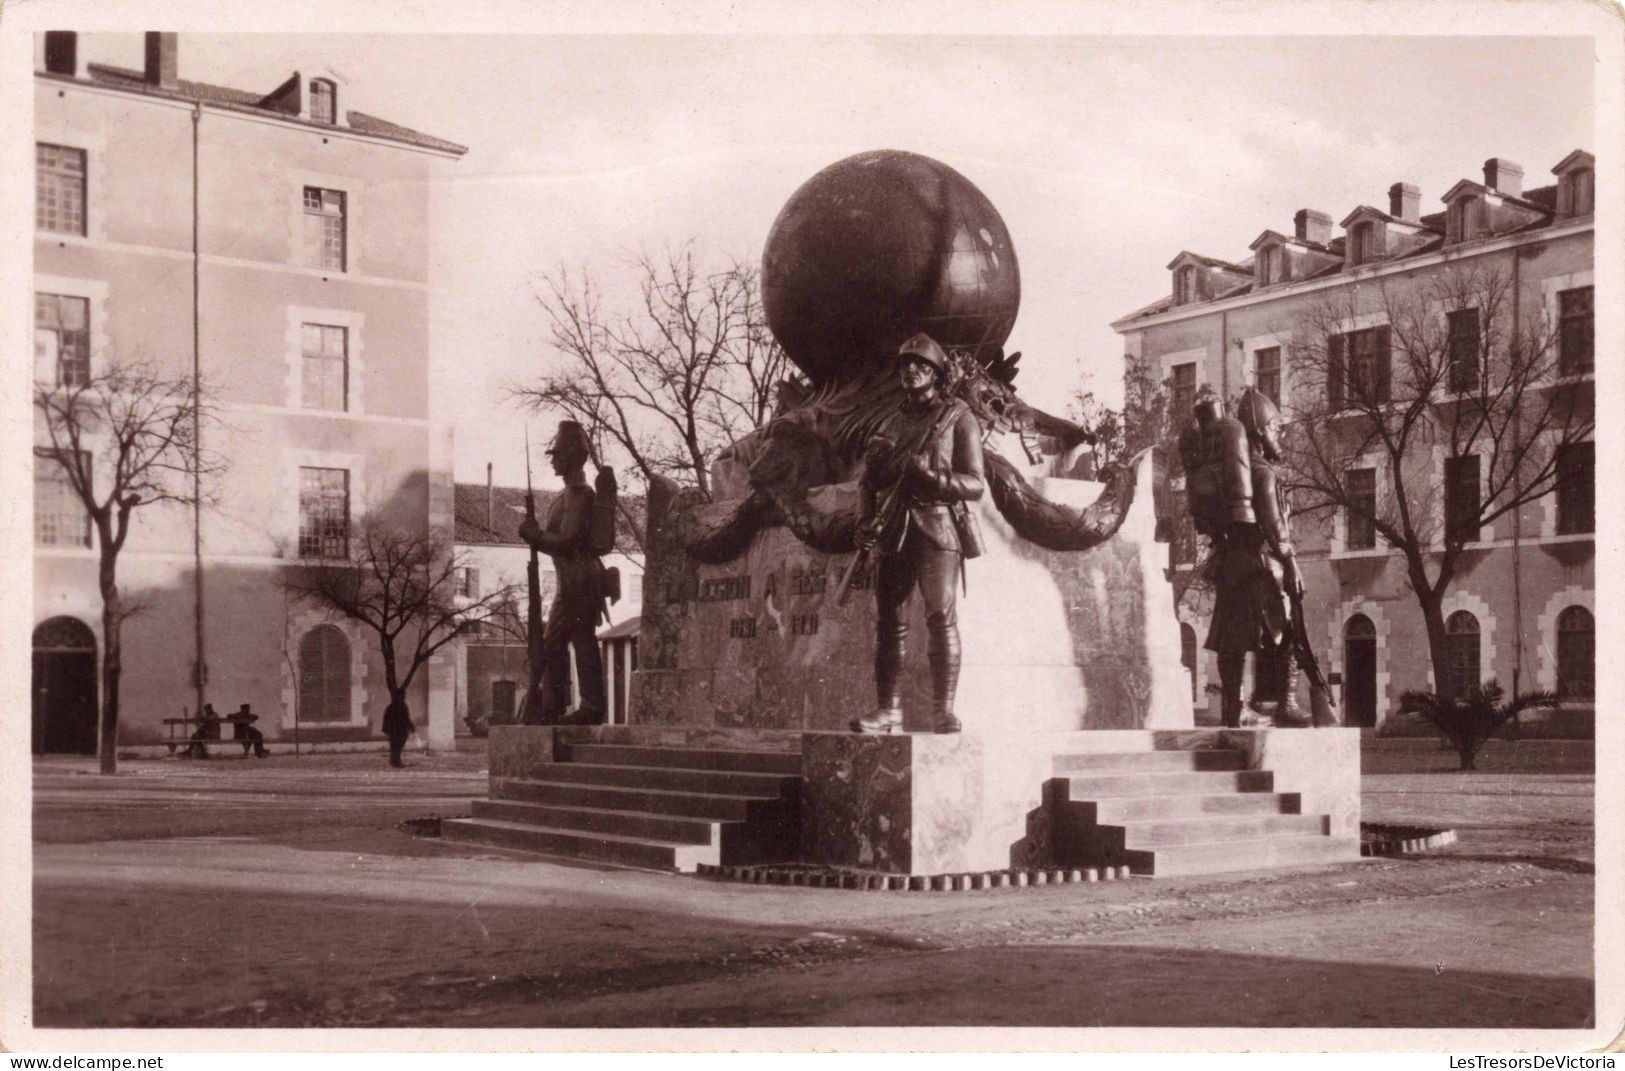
1460, 655
1465, 219
1271, 265
1574, 309
324, 228
1582, 187
1364, 242
323, 101
1267, 373
468, 582
1576, 654
1461, 498
1181, 391
324, 675
1361, 515
324, 513
59, 189
1576, 488
325, 367
1358, 367
62, 339
60, 517
1463, 351
1185, 285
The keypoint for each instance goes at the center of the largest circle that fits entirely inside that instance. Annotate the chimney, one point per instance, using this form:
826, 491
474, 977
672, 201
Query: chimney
62, 52
1405, 202
1312, 226
1503, 176
160, 69
490, 501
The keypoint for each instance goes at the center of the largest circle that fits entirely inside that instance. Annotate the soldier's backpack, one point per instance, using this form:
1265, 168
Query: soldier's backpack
1218, 474
601, 530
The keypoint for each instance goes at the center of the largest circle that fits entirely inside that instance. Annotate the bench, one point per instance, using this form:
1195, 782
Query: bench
181, 730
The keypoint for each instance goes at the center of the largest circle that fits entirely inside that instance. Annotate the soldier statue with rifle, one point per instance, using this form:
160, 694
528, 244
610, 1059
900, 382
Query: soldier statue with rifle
573, 536
920, 470
1236, 500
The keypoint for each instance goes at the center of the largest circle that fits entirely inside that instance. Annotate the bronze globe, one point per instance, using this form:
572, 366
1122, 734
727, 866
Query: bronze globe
881, 245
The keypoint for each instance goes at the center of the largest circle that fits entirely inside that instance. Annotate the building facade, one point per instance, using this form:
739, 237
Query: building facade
276, 244
1522, 605
491, 661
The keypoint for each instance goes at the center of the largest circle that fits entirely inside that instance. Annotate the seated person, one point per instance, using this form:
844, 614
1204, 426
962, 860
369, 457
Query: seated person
242, 730
208, 730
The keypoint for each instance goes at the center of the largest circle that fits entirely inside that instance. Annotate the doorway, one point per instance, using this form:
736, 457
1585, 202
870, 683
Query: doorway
64, 688
1360, 672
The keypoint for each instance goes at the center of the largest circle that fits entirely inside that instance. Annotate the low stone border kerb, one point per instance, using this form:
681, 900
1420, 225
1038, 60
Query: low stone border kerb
822, 878
1378, 839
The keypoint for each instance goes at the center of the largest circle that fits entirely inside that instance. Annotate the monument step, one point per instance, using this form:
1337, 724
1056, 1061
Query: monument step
600, 820
728, 782
1159, 833
716, 806
1097, 786
1152, 761
1220, 856
688, 758
1130, 808
576, 844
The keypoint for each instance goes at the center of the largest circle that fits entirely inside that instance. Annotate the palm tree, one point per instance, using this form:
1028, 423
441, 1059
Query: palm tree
1467, 723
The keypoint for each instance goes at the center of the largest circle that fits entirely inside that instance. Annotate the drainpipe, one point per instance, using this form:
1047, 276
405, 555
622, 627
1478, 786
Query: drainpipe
1517, 514
490, 506
201, 672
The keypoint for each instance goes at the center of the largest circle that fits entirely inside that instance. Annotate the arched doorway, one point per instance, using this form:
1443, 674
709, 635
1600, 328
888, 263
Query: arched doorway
1461, 655
64, 687
1360, 672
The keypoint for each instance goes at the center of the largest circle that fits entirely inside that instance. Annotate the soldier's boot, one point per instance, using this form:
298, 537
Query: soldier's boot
888, 714
1230, 667
942, 651
1288, 714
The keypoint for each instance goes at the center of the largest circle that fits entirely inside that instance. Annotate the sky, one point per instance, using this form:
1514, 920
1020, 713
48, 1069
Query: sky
1105, 155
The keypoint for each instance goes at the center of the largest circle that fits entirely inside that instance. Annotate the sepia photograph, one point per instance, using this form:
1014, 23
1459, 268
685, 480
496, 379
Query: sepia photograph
1065, 527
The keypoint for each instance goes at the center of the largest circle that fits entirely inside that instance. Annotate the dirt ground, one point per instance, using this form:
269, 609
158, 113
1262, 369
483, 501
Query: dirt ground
235, 893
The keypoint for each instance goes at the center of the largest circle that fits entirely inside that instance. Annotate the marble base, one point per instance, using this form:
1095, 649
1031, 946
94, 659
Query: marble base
922, 804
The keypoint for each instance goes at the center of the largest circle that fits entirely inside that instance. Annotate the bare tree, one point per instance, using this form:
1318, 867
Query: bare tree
1456, 372
406, 587
1146, 418
668, 383
125, 438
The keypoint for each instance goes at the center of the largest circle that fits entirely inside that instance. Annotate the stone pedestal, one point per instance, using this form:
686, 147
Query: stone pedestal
1052, 641
921, 804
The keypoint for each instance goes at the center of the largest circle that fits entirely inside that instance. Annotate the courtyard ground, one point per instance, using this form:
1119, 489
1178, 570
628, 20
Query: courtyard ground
280, 893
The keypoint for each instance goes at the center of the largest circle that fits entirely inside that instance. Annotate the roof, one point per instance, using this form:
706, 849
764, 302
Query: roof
127, 79
500, 525
1210, 262
630, 627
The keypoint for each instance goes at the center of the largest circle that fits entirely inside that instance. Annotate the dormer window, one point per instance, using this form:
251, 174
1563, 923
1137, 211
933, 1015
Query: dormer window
1582, 192
1185, 285
1364, 242
1271, 265
323, 101
1465, 219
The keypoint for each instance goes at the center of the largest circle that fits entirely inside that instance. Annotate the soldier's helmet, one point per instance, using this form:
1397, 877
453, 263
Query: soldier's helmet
1207, 406
922, 347
571, 438
1262, 420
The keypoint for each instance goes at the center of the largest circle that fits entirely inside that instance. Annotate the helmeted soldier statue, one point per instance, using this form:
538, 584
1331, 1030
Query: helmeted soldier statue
565, 536
923, 466
1235, 500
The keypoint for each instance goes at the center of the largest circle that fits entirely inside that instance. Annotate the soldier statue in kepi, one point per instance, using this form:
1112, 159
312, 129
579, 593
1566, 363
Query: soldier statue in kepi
567, 537
1236, 501
920, 469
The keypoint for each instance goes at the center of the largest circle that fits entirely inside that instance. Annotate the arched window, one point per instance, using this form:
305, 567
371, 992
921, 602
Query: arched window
324, 675
1576, 654
1185, 285
1465, 219
1360, 671
1364, 238
64, 634
1460, 655
1270, 262
324, 98
1582, 192
1187, 653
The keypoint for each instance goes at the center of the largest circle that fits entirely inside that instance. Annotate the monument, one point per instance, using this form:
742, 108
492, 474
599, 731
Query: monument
1070, 690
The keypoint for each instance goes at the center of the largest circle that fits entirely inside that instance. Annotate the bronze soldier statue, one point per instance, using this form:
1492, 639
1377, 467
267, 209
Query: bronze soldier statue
1235, 500
924, 465
572, 621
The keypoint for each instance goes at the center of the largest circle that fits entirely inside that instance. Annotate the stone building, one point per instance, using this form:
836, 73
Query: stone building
491, 663
277, 241
1521, 607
